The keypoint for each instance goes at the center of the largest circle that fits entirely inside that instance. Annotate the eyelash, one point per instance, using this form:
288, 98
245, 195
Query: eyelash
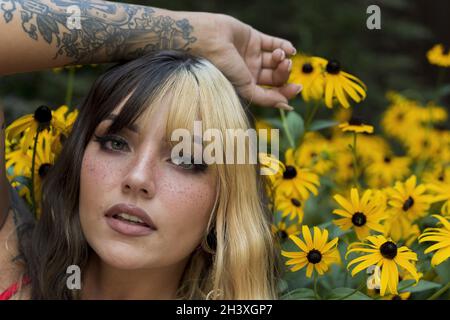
102, 140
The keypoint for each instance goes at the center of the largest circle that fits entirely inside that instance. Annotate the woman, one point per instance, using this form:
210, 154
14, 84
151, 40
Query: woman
225, 235
201, 228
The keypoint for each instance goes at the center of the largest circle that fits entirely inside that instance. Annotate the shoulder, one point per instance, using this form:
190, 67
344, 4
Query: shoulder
9, 269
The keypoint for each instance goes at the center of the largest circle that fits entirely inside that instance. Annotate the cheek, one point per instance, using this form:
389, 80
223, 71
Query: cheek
188, 201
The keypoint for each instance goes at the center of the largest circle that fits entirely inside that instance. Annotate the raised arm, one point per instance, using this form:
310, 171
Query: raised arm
40, 34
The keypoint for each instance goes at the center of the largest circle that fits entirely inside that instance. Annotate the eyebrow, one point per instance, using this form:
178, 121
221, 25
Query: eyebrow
132, 127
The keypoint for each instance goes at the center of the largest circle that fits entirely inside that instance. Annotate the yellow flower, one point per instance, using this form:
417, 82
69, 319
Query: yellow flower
399, 227
282, 231
30, 123
315, 154
400, 118
362, 214
296, 181
442, 238
344, 167
340, 85
385, 254
315, 253
409, 199
356, 125
290, 206
308, 72
439, 56
386, 169
440, 190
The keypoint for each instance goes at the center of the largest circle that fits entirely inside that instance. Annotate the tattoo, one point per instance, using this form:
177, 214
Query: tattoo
109, 31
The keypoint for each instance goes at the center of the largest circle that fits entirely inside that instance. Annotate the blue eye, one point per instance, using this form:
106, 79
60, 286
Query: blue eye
117, 143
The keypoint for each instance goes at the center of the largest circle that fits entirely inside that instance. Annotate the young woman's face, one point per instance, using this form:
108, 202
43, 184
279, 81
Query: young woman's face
135, 168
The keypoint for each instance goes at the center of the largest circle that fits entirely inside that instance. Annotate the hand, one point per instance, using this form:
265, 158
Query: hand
250, 60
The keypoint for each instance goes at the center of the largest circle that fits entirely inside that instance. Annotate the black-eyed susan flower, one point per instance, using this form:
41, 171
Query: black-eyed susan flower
363, 215
308, 71
29, 125
422, 144
409, 199
316, 253
385, 254
290, 206
441, 236
316, 154
441, 191
283, 231
340, 86
296, 181
345, 170
400, 118
356, 125
439, 56
400, 228
384, 170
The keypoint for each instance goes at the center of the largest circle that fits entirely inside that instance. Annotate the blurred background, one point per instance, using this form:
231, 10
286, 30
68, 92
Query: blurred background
393, 58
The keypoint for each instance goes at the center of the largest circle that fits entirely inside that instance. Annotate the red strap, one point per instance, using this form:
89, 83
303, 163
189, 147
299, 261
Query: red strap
12, 290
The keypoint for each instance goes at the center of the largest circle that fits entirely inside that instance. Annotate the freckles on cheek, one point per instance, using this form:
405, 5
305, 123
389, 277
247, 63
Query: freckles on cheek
98, 168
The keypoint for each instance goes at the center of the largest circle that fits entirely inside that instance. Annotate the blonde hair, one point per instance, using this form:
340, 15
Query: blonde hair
245, 262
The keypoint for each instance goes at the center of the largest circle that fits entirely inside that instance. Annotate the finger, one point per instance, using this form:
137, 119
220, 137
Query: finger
270, 97
277, 77
269, 43
271, 60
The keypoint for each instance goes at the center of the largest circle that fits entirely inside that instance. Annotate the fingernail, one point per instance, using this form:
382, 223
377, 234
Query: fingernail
295, 52
284, 106
283, 54
300, 88
290, 65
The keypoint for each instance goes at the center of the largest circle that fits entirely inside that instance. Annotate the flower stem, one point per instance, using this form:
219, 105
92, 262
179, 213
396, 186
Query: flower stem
355, 161
33, 197
440, 292
316, 293
286, 129
69, 90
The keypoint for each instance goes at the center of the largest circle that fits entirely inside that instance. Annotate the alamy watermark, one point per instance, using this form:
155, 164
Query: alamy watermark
235, 146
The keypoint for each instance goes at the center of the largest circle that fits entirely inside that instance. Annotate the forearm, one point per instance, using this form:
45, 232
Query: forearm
39, 34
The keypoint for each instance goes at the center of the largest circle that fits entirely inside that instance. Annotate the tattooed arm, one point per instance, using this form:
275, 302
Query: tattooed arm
40, 34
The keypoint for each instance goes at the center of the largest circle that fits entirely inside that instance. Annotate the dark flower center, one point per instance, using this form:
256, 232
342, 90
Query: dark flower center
425, 143
397, 297
441, 177
282, 234
408, 204
387, 159
359, 219
295, 202
446, 50
43, 115
44, 169
314, 256
289, 173
355, 121
333, 67
400, 117
388, 250
307, 68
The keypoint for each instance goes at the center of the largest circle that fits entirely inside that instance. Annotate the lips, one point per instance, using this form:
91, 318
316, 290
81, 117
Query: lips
124, 226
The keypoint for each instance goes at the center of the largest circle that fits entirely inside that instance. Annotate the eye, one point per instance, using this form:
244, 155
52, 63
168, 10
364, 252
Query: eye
188, 164
117, 143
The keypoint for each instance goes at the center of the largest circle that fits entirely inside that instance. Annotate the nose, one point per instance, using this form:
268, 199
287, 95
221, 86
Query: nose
139, 179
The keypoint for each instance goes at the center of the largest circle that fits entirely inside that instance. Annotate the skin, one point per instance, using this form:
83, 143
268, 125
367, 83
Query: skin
250, 59
178, 200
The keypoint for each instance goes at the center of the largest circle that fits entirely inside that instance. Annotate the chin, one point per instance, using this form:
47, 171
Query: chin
124, 256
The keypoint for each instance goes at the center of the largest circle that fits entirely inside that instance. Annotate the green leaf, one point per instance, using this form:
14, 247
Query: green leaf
423, 285
322, 124
295, 125
274, 122
347, 294
299, 294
